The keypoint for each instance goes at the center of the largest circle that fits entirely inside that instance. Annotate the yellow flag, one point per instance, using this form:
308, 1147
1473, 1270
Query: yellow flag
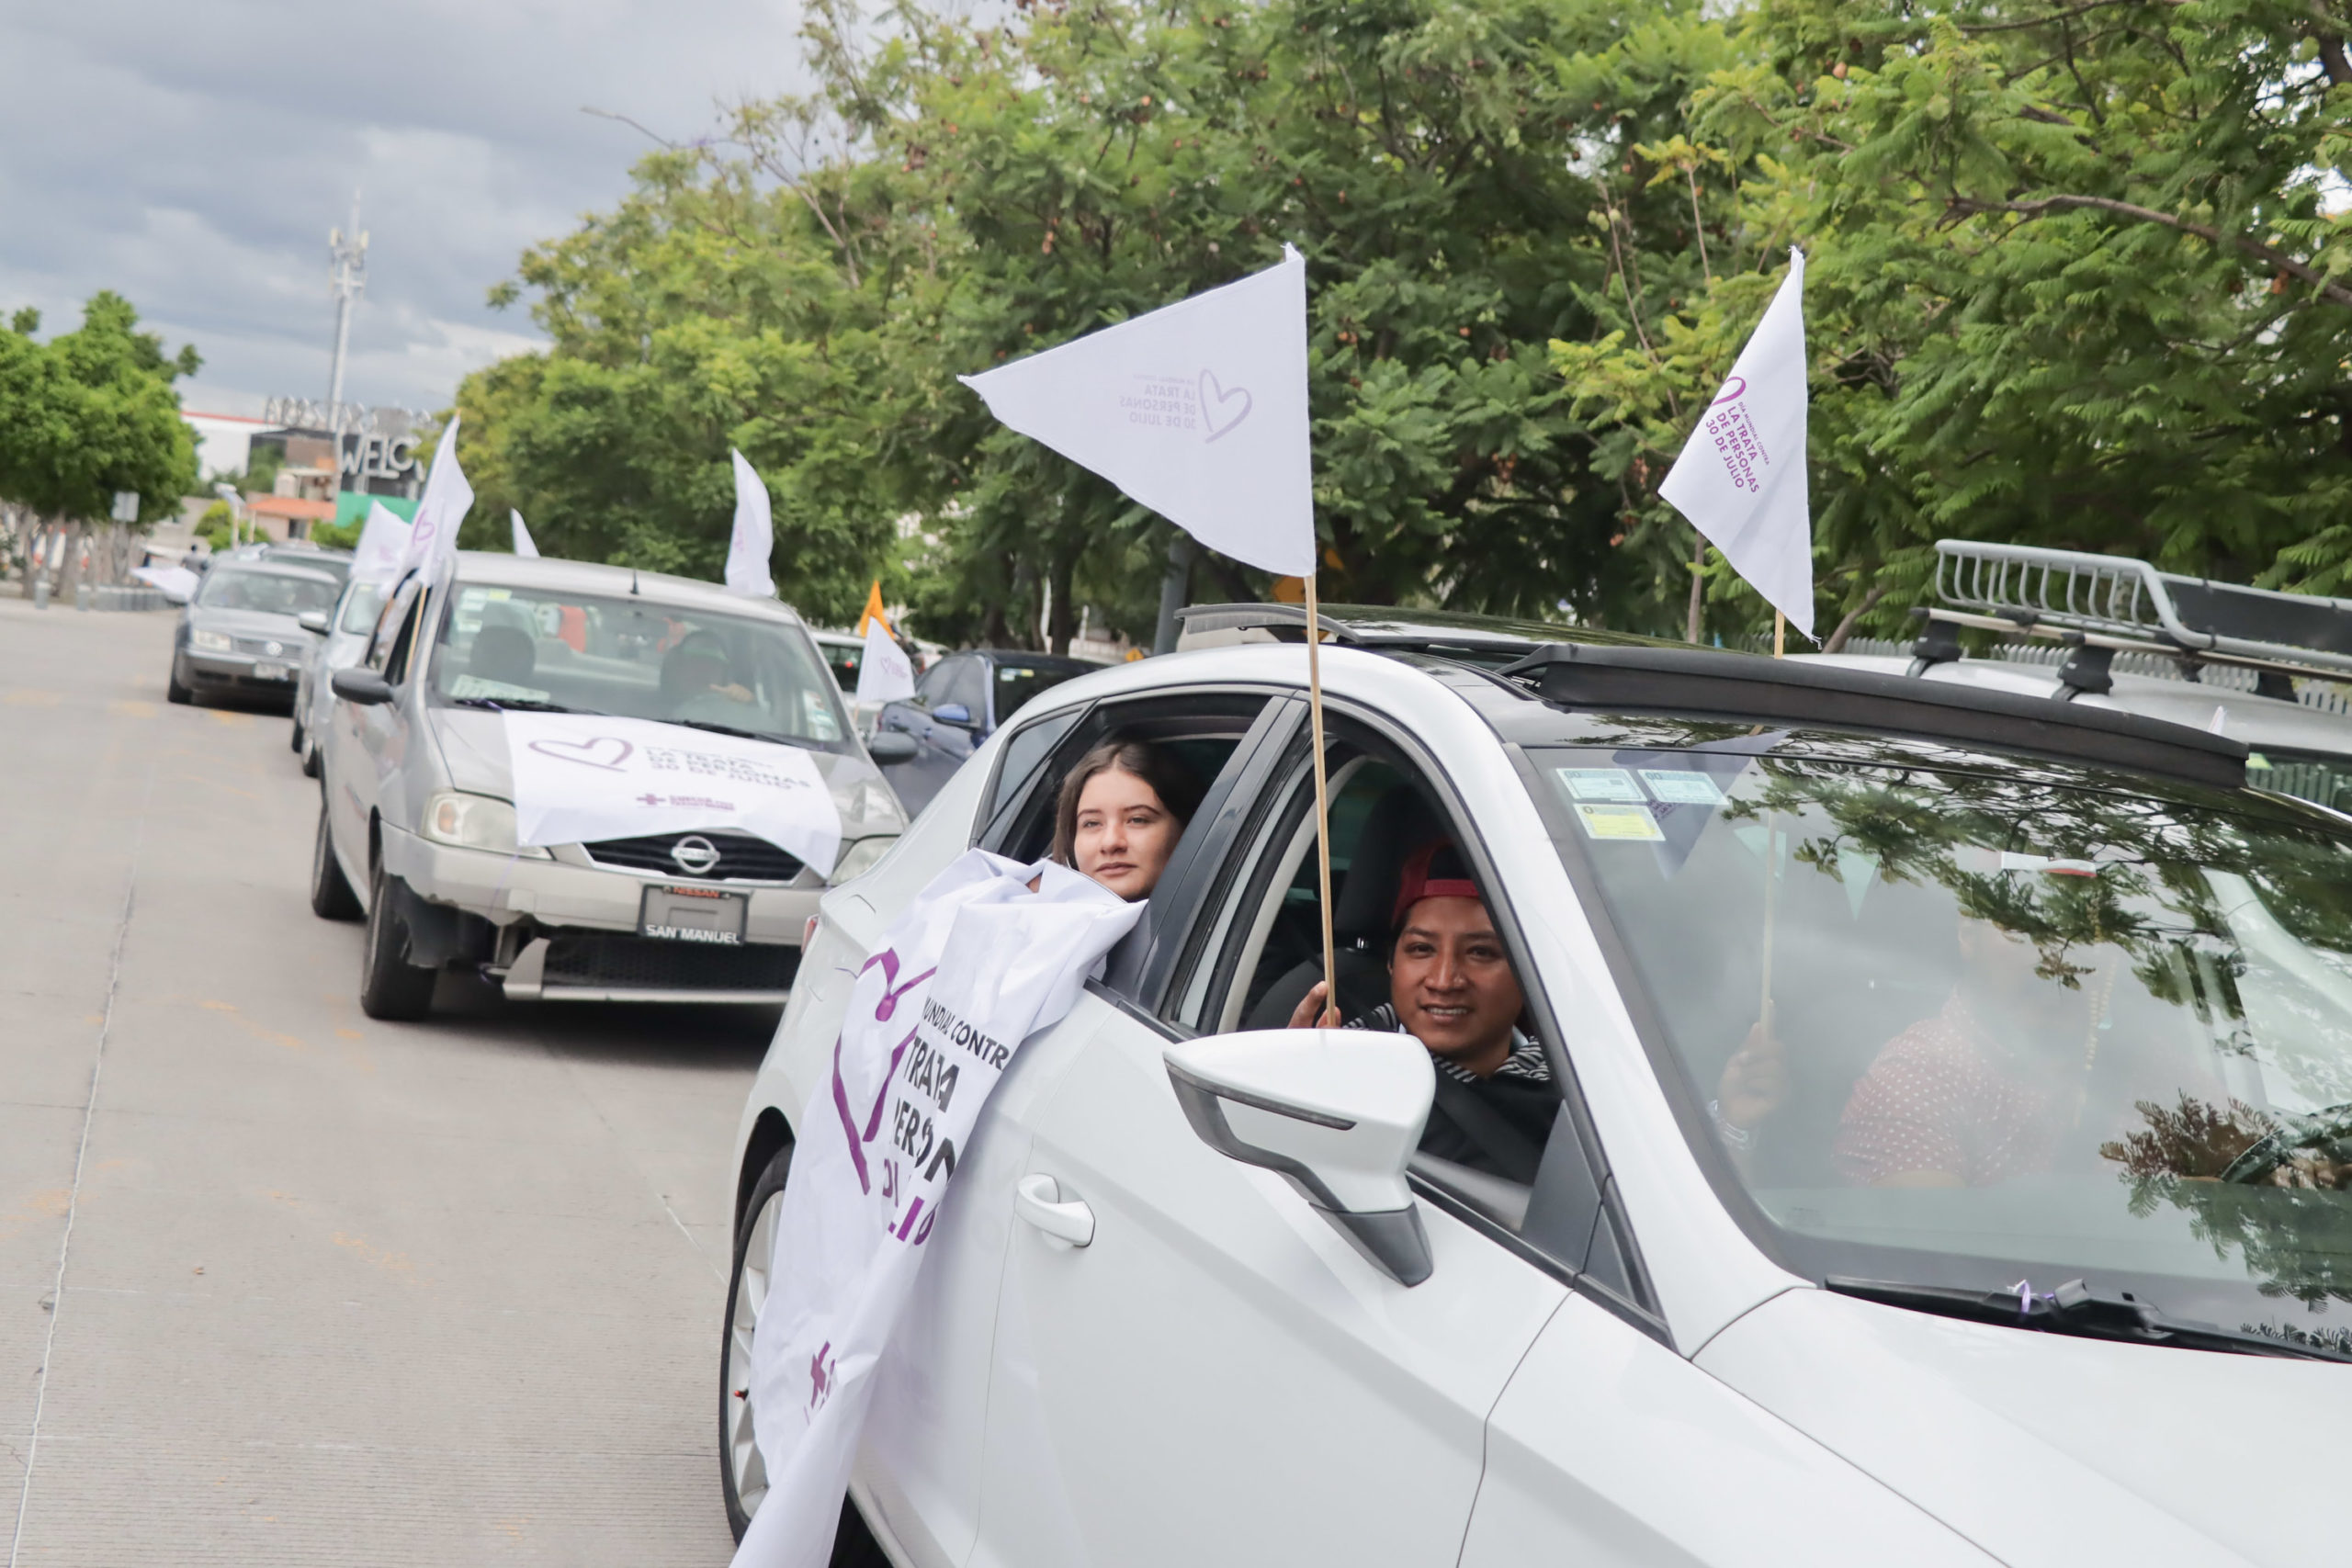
874, 612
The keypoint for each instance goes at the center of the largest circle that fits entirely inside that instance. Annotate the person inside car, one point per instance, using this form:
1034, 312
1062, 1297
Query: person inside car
1121, 809
698, 682
1451, 986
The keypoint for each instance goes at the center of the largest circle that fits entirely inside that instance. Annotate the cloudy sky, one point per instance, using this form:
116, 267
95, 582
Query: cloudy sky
193, 157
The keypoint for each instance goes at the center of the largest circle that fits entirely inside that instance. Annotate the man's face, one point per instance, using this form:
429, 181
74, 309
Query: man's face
1452, 984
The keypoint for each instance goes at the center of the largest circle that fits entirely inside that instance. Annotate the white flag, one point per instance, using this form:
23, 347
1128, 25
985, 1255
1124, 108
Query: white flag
523, 545
1197, 410
883, 671
975, 966
1741, 476
754, 538
383, 544
433, 539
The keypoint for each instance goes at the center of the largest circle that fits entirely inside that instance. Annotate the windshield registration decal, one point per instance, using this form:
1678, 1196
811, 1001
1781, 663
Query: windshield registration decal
1680, 786
1624, 823
1601, 784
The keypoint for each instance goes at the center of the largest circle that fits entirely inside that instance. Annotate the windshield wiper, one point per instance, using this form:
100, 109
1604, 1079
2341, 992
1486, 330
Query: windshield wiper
522, 705
2073, 1309
768, 736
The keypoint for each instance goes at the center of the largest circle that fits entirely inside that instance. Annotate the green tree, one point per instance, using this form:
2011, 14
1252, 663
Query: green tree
2072, 281
91, 412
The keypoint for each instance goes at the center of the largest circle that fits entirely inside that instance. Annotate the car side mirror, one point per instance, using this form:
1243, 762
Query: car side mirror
953, 713
890, 747
313, 622
359, 685
1335, 1113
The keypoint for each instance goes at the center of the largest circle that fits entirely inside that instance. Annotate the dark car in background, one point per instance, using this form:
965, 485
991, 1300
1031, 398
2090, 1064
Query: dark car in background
243, 634
958, 704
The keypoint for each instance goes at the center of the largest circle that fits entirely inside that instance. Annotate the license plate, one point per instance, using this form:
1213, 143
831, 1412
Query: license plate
264, 670
692, 914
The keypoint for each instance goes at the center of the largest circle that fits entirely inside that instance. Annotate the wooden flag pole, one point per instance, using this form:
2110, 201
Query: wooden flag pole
1322, 792
1780, 633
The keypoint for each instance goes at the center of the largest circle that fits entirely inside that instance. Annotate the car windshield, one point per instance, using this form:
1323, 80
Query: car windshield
544, 647
1018, 679
1967, 1027
360, 609
256, 588
2307, 775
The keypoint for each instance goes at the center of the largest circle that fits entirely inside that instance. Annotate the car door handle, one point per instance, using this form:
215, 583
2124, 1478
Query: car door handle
1038, 1199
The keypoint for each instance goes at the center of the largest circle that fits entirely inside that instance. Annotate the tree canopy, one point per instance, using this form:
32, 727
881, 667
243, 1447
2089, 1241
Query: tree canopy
2073, 281
90, 412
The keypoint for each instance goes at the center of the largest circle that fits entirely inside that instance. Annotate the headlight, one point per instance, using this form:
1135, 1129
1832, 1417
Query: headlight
860, 858
475, 823
211, 642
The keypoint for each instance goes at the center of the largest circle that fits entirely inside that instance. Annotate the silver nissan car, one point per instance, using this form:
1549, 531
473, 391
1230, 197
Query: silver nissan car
416, 820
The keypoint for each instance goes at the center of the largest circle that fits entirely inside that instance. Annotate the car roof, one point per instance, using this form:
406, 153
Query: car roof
837, 639
1562, 690
1022, 656
1482, 638
495, 569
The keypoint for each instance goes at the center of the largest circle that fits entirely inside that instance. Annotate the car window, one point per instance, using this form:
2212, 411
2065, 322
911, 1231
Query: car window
969, 685
555, 649
1961, 1025
1201, 733
1018, 680
276, 592
389, 626
362, 603
932, 690
1500, 1143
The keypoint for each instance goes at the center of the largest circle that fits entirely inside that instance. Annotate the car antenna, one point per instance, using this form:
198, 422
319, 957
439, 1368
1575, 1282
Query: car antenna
633, 588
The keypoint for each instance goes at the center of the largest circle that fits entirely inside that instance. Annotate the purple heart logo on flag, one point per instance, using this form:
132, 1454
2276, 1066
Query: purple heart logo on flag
607, 752
1218, 411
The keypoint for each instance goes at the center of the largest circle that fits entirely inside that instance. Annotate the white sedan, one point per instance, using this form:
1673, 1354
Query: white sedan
1949, 1164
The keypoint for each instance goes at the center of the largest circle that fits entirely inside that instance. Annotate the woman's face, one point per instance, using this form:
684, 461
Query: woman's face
1124, 835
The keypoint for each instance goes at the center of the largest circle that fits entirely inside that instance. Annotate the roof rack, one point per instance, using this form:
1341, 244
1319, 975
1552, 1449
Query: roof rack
1749, 687
2115, 603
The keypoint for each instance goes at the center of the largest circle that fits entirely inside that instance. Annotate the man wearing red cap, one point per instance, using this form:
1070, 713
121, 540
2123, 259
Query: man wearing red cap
1451, 986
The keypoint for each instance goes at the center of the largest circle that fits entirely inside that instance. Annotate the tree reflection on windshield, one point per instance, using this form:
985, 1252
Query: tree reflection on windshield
2076, 1006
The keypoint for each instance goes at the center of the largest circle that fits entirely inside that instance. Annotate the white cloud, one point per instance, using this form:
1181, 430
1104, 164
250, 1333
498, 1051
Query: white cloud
193, 158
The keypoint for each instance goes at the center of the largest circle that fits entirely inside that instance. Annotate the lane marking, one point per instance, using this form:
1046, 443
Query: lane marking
80, 1163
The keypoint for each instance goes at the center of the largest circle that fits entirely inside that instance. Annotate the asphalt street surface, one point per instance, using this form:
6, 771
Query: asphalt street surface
280, 1283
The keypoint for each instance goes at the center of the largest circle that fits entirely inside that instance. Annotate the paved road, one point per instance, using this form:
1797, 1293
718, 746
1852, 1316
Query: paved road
282, 1284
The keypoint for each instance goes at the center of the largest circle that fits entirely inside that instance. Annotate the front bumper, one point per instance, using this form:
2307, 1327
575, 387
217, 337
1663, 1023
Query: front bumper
569, 926
235, 672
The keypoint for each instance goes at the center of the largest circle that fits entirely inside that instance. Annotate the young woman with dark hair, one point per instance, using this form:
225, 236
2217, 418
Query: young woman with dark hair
1121, 810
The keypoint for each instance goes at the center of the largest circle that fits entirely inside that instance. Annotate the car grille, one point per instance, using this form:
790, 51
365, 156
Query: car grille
741, 858
648, 964
293, 649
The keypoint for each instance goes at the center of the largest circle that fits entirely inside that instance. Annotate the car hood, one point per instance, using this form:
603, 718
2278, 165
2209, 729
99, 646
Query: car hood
252, 623
473, 749
2049, 1451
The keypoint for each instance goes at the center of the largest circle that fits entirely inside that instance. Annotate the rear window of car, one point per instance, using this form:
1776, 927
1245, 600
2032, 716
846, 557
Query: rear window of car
276, 592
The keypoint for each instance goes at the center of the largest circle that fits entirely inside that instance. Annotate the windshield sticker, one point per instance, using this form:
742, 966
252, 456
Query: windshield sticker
1983, 862
1601, 783
1624, 823
495, 690
1682, 786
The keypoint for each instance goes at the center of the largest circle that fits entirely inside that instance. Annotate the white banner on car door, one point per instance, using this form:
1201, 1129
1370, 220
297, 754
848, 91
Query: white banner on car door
580, 778
974, 966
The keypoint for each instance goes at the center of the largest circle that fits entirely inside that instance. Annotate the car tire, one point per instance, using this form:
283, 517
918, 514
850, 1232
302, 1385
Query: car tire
330, 894
294, 742
173, 690
391, 987
740, 1466
310, 768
